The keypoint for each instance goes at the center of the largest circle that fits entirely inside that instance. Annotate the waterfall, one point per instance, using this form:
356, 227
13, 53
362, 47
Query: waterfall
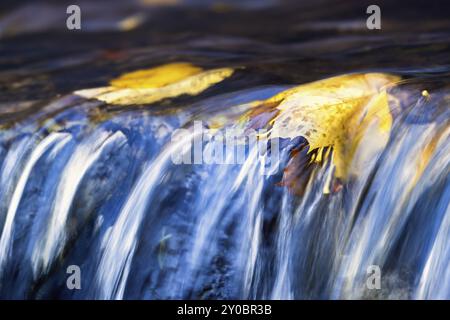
107, 196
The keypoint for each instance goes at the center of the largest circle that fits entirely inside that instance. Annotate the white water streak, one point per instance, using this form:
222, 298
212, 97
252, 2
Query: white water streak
12, 161
53, 240
5, 241
282, 286
252, 222
120, 242
376, 230
435, 280
212, 204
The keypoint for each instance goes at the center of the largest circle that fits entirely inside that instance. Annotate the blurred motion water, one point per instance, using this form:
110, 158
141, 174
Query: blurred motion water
91, 183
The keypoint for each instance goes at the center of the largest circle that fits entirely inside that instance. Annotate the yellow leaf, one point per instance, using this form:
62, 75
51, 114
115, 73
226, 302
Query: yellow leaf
156, 77
335, 112
152, 85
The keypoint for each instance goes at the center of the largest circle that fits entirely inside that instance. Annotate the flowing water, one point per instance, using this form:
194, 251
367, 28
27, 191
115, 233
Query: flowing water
95, 184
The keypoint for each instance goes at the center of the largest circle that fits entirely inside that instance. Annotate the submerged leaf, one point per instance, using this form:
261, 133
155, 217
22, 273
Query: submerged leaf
152, 85
156, 77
